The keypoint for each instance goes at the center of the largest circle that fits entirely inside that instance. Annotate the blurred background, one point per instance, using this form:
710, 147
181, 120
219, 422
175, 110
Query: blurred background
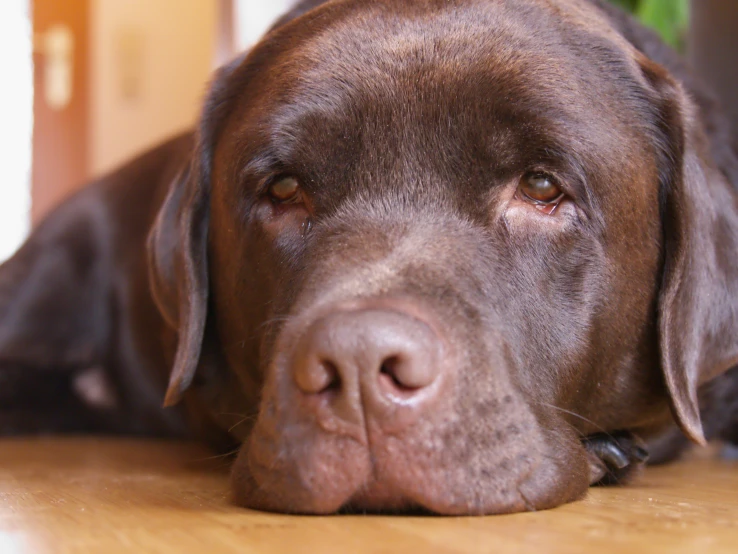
669, 17
89, 84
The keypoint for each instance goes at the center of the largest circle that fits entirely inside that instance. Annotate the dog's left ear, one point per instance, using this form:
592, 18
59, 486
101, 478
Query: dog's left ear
698, 304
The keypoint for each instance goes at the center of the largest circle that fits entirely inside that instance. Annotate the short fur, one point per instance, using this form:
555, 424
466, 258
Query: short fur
563, 337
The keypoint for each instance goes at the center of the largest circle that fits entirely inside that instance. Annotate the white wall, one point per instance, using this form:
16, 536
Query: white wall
253, 17
16, 124
150, 62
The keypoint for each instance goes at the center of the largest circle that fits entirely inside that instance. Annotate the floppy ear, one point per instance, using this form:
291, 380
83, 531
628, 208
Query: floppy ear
178, 274
177, 245
178, 241
698, 304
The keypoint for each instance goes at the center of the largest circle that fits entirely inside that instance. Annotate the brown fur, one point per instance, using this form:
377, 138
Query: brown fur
409, 125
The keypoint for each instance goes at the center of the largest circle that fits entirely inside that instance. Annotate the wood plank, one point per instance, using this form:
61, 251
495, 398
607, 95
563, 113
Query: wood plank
110, 495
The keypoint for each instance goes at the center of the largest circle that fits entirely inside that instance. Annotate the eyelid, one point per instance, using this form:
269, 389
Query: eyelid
265, 183
570, 184
574, 183
554, 175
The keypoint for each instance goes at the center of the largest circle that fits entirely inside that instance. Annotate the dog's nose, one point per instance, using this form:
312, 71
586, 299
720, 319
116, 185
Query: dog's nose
369, 362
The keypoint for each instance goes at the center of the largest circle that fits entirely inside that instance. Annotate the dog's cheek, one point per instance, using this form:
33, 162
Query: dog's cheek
496, 456
241, 288
252, 266
551, 296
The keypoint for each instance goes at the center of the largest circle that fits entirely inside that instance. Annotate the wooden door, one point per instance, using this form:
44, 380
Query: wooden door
60, 133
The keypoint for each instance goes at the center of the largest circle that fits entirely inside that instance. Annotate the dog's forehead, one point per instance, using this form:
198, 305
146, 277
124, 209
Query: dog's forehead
374, 44
397, 64
429, 90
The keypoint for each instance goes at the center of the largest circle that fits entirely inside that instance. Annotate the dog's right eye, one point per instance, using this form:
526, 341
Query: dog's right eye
286, 190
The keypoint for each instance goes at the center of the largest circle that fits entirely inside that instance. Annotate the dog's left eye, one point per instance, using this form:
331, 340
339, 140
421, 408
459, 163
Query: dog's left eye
286, 190
541, 190
540, 187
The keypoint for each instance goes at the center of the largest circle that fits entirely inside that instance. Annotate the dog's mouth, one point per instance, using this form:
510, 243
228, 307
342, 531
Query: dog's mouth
614, 458
360, 507
440, 465
371, 406
344, 478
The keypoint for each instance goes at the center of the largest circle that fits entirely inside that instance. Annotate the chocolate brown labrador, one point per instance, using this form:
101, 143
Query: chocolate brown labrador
456, 256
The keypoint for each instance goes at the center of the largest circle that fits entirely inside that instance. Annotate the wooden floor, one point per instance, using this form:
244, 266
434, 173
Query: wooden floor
100, 495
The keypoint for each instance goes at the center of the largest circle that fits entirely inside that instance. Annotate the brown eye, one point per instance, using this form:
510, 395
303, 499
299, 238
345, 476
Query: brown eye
540, 188
286, 191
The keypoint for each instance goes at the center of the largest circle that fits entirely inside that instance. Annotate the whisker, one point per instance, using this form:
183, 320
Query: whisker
244, 420
579, 417
217, 456
277, 319
267, 323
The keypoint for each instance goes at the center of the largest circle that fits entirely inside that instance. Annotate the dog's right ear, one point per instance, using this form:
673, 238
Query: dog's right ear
177, 245
178, 275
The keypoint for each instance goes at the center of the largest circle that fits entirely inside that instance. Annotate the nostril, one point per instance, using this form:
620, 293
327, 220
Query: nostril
389, 355
332, 377
318, 376
391, 368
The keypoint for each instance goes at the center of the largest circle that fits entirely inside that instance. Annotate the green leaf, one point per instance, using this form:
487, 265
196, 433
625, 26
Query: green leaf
629, 5
668, 17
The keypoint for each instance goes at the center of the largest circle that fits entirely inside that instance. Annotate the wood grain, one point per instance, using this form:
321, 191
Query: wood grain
106, 495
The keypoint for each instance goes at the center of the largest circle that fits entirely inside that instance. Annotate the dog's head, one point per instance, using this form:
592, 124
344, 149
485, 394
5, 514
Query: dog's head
432, 245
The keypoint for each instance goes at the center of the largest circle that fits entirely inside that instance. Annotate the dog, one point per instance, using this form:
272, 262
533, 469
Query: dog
459, 256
